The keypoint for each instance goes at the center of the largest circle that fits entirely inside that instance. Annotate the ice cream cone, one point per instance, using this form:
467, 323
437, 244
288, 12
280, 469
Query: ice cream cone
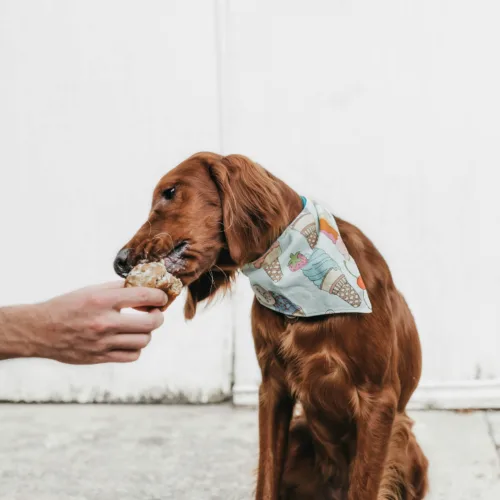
270, 262
342, 288
329, 231
273, 270
312, 238
306, 225
327, 275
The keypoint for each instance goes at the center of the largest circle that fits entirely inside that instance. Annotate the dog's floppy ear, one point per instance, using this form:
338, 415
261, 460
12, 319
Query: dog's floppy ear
205, 287
250, 200
255, 208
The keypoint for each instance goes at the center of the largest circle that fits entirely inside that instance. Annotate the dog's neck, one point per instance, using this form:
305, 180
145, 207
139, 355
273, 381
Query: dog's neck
292, 205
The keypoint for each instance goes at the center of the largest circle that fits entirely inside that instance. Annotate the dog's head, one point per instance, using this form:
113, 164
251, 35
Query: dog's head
209, 216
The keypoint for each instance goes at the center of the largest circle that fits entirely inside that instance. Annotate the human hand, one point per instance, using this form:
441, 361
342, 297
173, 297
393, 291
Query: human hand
87, 327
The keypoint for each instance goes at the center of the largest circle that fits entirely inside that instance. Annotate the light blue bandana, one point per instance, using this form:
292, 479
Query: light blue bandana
308, 270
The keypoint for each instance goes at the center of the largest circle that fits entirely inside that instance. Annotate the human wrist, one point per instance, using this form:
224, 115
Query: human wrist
21, 331
40, 327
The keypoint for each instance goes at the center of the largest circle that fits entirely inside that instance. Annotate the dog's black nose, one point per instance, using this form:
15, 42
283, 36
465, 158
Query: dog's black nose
122, 265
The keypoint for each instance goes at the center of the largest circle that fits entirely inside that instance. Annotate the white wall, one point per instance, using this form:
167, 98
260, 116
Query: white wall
387, 110
98, 99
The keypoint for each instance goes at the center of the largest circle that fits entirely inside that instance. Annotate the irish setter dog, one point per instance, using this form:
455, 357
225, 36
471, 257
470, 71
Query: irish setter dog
351, 374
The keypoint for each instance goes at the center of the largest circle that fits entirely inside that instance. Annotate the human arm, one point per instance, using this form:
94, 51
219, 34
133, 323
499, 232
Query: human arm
84, 326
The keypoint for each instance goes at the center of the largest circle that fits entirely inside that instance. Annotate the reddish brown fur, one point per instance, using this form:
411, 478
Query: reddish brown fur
352, 373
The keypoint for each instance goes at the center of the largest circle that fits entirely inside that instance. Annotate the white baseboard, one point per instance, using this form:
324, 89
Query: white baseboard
474, 394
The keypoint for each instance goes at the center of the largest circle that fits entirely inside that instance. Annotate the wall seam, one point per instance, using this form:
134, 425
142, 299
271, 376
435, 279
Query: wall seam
220, 17
220, 7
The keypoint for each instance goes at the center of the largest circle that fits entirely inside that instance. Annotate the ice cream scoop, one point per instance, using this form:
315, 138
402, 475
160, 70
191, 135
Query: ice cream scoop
155, 275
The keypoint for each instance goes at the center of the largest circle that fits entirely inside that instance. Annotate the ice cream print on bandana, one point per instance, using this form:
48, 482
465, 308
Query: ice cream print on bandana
270, 262
326, 274
308, 270
277, 302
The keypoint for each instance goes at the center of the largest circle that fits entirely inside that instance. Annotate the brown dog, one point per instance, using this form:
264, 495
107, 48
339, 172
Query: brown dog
352, 373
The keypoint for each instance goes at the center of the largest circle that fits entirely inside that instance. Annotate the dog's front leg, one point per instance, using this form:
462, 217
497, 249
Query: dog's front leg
275, 413
374, 426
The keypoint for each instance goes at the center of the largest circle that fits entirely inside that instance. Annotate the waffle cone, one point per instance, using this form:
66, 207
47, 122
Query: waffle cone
345, 291
273, 270
312, 238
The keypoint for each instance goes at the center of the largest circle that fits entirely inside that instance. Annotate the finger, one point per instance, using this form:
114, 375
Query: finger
129, 341
111, 284
116, 284
121, 356
147, 308
139, 323
139, 297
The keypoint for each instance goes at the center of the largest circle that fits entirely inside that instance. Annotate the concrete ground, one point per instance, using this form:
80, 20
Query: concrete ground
84, 452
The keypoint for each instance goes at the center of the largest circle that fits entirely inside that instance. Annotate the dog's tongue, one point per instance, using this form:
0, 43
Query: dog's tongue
174, 261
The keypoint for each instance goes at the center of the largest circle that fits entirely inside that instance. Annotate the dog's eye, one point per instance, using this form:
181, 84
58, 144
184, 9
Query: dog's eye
169, 193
